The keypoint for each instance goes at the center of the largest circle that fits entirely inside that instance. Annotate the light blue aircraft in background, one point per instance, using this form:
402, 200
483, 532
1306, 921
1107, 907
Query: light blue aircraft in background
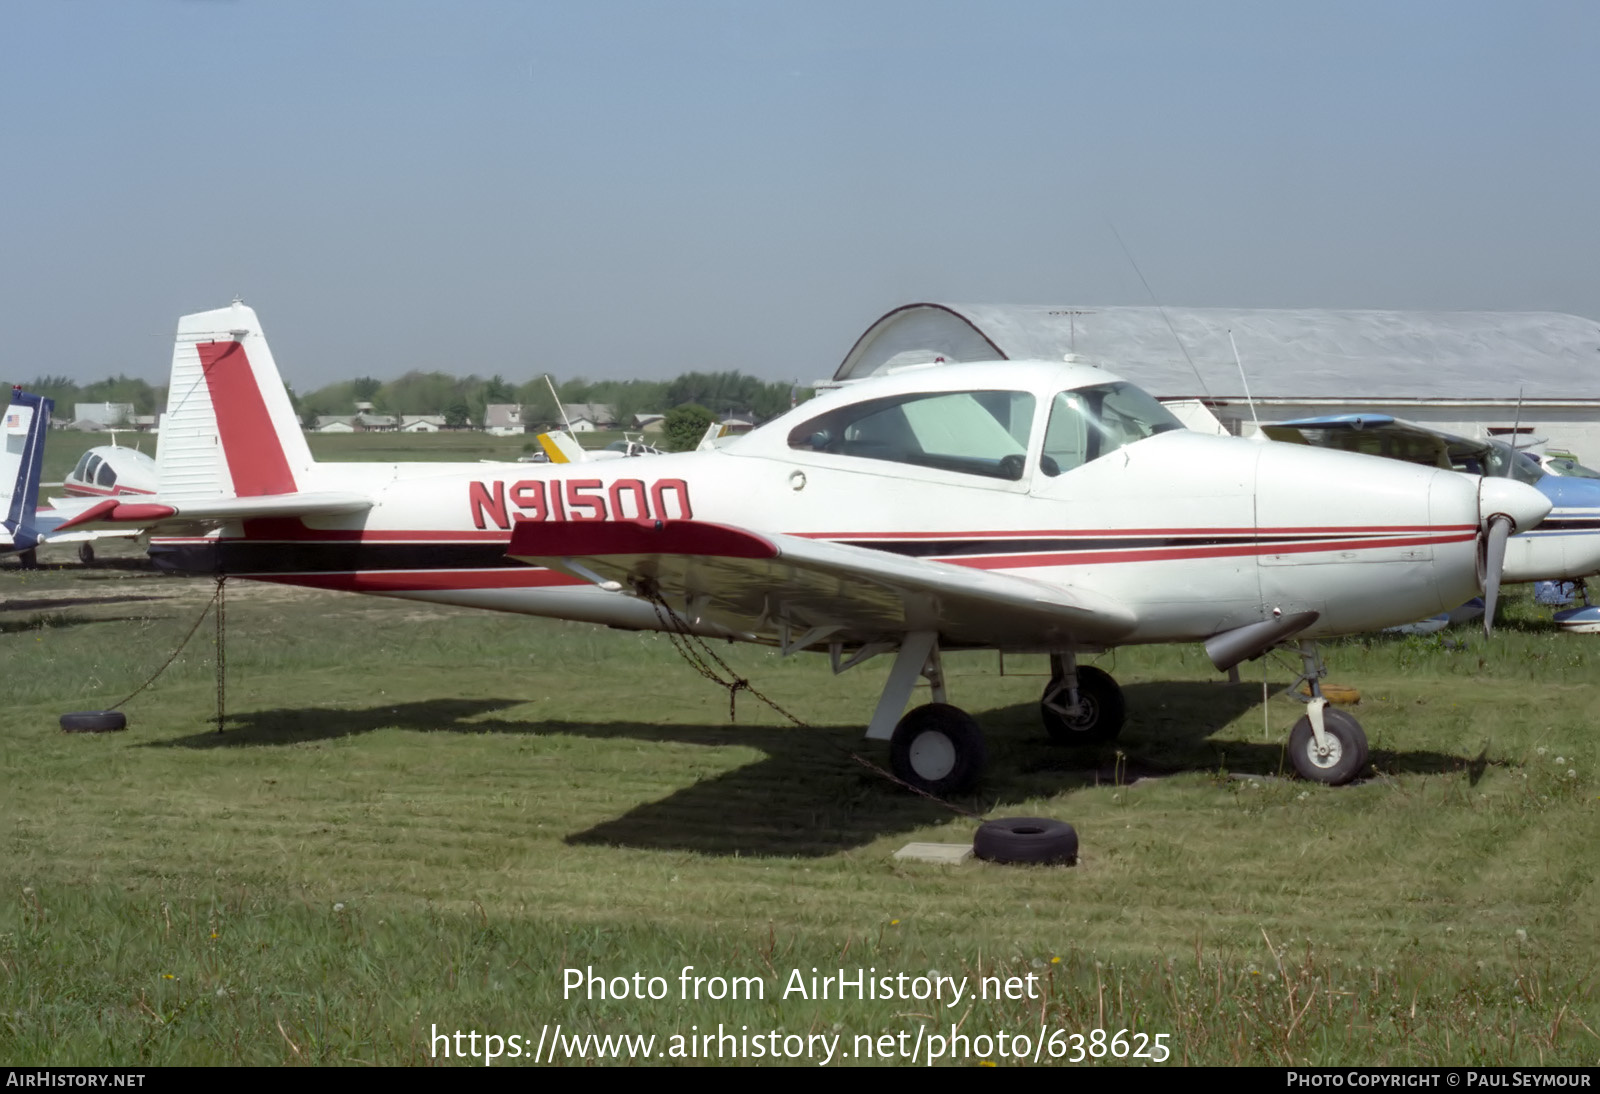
1564, 547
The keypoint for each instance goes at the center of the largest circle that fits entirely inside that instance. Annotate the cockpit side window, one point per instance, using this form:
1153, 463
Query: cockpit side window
107, 475
90, 468
968, 432
80, 472
1089, 422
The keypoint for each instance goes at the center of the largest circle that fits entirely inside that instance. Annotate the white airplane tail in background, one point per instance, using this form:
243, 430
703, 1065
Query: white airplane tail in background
230, 431
26, 419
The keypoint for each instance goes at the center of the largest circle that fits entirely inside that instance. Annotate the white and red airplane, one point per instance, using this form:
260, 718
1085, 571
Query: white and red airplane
110, 471
1020, 506
24, 527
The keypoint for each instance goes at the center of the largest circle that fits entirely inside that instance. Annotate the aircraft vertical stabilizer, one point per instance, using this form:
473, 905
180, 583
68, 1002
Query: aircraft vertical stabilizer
230, 431
26, 420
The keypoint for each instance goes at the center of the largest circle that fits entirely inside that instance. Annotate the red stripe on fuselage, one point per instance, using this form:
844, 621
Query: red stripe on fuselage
292, 529
1159, 554
1063, 533
255, 456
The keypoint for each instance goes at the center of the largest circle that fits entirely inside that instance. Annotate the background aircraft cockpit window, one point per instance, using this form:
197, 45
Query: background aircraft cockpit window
1524, 468
970, 432
80, 472
1570, 467
1089, 422
107, 475
91, 467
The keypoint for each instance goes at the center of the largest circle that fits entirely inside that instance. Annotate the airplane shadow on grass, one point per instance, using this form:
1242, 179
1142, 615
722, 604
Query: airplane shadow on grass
59, 621
811, 795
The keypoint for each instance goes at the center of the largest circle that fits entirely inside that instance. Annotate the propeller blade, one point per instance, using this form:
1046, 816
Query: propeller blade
1494, 554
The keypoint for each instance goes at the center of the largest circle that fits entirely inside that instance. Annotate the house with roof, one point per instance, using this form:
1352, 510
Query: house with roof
503, 419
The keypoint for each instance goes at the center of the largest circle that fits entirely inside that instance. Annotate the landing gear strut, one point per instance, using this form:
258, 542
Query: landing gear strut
1080, 706
936, 748
1326, 745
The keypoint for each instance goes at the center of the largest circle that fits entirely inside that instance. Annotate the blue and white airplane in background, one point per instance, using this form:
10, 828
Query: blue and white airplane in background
27, 418
1564, 547
25, 526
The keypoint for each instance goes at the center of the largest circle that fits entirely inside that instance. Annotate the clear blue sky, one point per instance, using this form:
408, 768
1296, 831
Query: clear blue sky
637, 189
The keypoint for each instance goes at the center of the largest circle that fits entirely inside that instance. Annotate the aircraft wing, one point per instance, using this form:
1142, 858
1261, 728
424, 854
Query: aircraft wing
762, 584
1382, 435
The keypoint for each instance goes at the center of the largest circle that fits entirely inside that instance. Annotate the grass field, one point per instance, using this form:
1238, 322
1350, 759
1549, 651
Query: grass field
417, 818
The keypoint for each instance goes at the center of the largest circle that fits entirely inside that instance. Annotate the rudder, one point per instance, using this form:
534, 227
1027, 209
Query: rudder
229, 430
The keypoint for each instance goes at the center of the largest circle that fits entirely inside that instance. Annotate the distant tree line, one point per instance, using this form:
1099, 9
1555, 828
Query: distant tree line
462, 400
465, 398
117, 389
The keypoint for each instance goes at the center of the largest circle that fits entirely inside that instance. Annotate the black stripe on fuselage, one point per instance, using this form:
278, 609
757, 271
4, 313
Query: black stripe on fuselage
957, 548
1568, 524
244, 557
309, 557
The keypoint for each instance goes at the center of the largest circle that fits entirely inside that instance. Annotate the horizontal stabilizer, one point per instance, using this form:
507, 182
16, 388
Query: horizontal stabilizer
151, 511
559, 447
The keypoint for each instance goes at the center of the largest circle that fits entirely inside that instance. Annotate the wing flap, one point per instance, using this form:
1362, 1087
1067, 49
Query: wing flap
750, 582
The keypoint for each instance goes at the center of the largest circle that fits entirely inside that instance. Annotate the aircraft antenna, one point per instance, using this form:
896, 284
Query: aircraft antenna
1072, 325
1244, 380
1129, 255
561, 410
1516, 424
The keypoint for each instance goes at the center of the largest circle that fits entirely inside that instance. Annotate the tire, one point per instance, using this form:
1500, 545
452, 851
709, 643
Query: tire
1034, 840
1104, 711
93, 721
86, 553
1348, 754
937, 748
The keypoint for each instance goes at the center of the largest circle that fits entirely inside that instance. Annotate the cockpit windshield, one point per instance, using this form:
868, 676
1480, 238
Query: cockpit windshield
1089, 422
968, 432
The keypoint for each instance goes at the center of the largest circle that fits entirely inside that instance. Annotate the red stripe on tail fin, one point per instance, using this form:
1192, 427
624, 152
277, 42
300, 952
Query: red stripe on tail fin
255, 455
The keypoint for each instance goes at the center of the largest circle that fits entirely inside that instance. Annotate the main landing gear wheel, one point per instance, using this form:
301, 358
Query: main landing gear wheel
937, 748
1101, 710
86, 553
1343, 759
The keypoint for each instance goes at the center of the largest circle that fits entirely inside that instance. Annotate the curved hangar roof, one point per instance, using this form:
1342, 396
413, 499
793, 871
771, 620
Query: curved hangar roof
1295, 353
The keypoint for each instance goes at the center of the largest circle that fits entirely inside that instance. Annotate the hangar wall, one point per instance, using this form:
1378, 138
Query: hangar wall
1457, 371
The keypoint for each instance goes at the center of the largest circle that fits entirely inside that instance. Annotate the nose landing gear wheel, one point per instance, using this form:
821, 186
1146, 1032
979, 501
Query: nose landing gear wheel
1101, 710
1343, 758
937, 748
